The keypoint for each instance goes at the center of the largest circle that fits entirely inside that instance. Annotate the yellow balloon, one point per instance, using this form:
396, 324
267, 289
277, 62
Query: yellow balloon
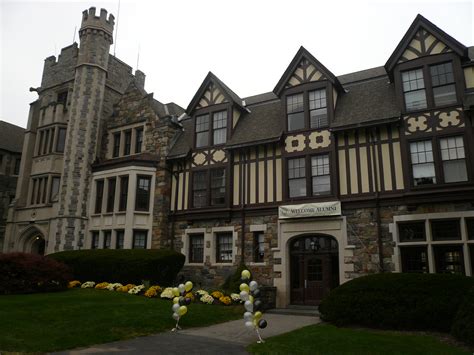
245, 274
182, 310
251, 299
255, 322
244, 287
258, 315
175, 291
176, 300
188, 286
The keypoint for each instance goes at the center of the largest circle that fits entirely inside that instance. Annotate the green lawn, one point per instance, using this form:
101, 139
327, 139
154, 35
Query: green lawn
75, 318
328, 340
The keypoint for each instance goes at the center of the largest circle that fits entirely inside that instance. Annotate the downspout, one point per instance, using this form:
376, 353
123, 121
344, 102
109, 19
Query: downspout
242, 203
377, 201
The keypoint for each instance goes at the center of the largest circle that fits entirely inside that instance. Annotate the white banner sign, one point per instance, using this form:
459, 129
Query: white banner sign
332, 208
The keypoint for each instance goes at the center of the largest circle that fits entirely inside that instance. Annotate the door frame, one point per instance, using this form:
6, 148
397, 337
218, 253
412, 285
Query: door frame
300, 260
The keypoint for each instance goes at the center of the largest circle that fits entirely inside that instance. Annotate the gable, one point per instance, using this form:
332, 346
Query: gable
423, 44
304, 68
211, 96
423, 38
305, 72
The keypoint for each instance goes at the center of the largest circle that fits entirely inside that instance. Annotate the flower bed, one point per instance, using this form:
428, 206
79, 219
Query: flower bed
202, 296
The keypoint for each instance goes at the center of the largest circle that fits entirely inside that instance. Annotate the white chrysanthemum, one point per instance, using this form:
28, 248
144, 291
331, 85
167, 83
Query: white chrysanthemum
202, 292
207, 299
167, 293
88, 284
235, 297
114, 286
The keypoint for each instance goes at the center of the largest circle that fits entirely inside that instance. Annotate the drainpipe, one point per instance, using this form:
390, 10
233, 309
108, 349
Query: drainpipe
377, 201
242, 203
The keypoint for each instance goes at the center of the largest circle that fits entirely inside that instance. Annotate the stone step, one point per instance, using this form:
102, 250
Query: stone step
296, 311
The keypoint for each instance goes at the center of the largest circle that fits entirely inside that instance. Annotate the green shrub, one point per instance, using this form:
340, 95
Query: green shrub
463, 325
397, 301
31, 273
233, 281
159, 266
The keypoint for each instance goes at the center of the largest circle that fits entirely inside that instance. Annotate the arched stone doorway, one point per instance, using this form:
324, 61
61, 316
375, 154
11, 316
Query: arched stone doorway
314, 268
32, 241
38, 245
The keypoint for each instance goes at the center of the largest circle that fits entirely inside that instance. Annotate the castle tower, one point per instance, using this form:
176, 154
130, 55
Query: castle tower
83, 128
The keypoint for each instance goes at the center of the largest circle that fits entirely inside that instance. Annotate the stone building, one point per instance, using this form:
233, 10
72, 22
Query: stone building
319, 181
11, 142
95, 140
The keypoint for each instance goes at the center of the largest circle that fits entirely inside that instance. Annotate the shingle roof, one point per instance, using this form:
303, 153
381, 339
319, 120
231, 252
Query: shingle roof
263, 123
11, 137
366, 102
362, 75
169, 109
183, 141
268, 96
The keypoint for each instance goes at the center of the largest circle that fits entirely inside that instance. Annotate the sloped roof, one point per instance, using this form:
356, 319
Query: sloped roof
183, 142
263, 123
169, 109
11, 137
366, 102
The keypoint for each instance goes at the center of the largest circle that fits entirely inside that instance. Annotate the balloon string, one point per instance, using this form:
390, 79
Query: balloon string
260, 340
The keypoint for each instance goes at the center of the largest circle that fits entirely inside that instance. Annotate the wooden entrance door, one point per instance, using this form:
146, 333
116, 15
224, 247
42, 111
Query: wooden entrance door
313, 272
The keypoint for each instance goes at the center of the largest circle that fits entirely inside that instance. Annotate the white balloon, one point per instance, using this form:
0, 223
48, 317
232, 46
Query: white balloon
244, 296
253, 285
181, 288
248, 306
175, 307
176, 316
248, 316
249, 324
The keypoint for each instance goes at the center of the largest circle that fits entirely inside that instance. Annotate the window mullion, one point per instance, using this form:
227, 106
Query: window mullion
309, 178
428, 86
438, 162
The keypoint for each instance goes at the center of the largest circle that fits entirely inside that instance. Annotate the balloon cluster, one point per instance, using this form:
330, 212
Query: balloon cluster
180, 302
250, 294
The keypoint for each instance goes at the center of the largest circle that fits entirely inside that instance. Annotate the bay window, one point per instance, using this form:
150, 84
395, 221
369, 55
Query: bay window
142, 201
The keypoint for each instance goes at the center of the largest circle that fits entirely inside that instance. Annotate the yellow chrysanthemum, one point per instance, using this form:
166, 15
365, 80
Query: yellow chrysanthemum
217, 294
74, 283
225, 300
102, 286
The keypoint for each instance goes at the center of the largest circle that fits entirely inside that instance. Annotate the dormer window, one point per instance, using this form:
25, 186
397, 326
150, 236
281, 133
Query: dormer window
295, 112
318, 112
202, 131
308, 109
218, 127
414, 89
442, 79
439, 90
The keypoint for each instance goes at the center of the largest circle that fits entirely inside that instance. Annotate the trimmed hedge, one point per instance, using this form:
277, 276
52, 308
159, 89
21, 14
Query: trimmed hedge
159, 266
463, 326
398, 301
31, 273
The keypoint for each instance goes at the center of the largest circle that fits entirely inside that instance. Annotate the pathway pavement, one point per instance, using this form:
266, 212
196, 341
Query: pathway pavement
226, 338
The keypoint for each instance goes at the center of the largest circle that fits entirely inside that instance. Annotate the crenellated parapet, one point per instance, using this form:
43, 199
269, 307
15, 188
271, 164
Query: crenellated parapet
97, 24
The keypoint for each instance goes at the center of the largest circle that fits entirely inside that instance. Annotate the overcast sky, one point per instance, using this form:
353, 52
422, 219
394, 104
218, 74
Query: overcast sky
246, 43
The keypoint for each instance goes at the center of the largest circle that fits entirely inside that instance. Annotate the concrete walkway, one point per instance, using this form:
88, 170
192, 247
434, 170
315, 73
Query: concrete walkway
225, 338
